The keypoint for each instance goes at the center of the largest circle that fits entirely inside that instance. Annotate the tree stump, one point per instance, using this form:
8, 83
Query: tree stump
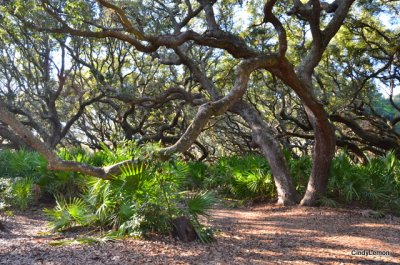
183, 229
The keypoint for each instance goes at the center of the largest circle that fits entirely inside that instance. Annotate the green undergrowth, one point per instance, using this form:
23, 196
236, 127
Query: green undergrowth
375, 184
149, 194
144, 199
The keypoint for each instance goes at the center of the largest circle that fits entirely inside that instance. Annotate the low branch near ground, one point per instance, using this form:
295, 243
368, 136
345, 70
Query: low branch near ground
54, 162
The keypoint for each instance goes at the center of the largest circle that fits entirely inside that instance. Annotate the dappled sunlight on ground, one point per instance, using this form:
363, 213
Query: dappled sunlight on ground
264, 234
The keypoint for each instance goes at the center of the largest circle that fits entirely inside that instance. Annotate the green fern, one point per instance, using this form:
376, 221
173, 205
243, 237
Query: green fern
22, 192
68, 213
200, 203
85, 241
132, 177
328, 202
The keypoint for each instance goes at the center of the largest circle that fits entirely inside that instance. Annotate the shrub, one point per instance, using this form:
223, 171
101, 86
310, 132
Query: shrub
300, 169
246, 177
197, 174
143, 199
14, 164
374, 183
21, 192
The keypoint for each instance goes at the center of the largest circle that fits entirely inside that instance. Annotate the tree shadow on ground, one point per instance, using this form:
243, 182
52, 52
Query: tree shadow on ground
263, 235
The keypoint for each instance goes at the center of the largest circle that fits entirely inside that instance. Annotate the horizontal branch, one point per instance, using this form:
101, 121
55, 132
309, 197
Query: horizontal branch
204, 113
220, 106
54, 162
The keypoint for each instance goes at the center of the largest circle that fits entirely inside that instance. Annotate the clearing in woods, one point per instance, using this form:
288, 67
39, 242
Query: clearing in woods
264, 234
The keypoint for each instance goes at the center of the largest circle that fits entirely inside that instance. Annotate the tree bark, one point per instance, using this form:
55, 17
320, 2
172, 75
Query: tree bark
221, 105
205, 112
263, 137
15, 142
324, 133
324, 150
183, 229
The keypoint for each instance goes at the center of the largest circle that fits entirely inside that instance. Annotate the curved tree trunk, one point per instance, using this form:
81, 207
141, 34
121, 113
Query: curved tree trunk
324, 150
262, 135
301, 83
271, 149
324, 133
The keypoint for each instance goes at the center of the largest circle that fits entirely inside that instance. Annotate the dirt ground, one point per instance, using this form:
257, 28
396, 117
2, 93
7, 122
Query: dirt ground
265, 234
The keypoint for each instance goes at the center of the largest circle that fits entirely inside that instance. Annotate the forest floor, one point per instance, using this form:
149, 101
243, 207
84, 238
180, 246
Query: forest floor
263, 234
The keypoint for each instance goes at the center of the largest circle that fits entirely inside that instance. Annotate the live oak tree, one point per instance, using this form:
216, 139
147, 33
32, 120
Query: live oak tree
30, 92
285, 43
361, 59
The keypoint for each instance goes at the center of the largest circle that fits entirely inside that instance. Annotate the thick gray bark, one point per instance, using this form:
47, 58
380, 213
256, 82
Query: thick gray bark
220, 106
264, 138
15, 142
261, 132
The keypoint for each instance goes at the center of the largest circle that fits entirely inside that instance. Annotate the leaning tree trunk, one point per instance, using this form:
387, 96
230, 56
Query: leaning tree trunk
270, 148
262, 135
324, 133
324, 150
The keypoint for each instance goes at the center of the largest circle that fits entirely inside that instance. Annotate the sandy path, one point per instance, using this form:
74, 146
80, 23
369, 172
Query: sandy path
261, 235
